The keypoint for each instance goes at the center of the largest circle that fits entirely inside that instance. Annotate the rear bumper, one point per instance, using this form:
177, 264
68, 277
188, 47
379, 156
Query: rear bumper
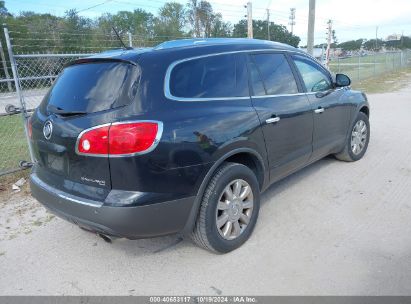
130, 222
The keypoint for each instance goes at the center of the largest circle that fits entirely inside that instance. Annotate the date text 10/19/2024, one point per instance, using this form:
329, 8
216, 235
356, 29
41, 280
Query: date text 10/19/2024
203, 299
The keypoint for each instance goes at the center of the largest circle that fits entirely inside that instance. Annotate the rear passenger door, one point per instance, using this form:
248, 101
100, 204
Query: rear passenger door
284, 111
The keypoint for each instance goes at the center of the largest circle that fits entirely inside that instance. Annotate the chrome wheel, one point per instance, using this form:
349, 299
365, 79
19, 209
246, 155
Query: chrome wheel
359, 137
234, 209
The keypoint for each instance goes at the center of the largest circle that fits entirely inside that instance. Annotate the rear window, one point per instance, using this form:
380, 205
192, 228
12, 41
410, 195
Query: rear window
218, 76
93, 87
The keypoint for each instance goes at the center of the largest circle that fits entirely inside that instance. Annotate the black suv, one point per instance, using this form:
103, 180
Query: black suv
183, 137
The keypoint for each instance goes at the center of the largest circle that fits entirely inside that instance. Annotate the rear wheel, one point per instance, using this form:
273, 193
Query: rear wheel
229, 209
357, 142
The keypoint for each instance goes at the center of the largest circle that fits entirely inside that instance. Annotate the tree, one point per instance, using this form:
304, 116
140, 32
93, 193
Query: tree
220, 28
371, 44
278, 33
206, 18
137, 22
3, 10
76, 30
351, 45
170, 22
72, 32
204, 22
193, 18
334, 39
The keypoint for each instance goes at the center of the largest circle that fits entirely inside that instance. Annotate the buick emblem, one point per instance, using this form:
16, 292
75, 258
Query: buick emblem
47, 129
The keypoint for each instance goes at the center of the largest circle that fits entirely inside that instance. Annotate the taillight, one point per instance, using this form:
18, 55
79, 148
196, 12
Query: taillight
130, 138
120, 139
94, 141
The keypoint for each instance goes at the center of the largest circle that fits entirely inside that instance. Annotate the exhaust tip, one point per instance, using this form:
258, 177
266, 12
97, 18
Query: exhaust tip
106, 238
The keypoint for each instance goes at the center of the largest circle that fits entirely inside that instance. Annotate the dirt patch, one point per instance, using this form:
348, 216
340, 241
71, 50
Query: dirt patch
21, 214
385, 83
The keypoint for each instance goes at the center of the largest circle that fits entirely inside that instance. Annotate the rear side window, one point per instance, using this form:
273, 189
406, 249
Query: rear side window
273, 73
218, 76
93, 87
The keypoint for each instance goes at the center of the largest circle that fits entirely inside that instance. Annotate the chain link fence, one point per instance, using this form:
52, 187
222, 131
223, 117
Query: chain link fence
365, 66
31, 62
13, 144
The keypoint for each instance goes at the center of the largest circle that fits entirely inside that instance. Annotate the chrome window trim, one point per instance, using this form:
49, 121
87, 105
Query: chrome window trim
294, 94
279, 95
167, 92
152, 147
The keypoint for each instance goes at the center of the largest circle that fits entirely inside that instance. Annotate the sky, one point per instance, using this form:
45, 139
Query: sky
352, 19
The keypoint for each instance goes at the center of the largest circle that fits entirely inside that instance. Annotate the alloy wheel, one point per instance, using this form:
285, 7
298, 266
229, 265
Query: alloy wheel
359, 137
234, 209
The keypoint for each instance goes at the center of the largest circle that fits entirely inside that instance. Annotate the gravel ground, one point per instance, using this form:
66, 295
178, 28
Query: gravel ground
333, 228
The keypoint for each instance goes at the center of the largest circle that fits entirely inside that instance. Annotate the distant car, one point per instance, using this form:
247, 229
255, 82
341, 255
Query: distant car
183, 137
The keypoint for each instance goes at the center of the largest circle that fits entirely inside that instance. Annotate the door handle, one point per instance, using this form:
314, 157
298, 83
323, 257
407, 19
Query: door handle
319, 110
273, 120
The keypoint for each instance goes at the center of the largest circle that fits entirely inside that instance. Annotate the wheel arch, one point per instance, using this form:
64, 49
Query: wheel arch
365, 109
245, 156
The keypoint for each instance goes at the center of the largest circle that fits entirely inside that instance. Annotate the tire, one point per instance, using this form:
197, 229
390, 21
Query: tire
206, 234
349, 154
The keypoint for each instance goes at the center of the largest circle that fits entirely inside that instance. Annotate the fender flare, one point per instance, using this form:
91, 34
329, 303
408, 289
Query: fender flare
188, 228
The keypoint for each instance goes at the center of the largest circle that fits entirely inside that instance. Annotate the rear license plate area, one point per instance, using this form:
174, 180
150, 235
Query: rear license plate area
55, 163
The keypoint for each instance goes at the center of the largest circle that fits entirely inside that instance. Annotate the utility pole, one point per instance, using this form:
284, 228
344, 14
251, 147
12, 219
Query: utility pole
6, 70
402, 39
268, 24
292, 19
376, 38
311, 22
329, 36
249, 21
130, 39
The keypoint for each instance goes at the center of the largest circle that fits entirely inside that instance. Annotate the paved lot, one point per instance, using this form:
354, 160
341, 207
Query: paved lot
333, 228
32, 99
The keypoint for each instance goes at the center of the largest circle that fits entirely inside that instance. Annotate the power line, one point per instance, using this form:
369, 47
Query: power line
91, 7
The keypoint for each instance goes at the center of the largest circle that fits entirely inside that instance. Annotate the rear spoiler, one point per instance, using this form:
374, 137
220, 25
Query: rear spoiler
94, 60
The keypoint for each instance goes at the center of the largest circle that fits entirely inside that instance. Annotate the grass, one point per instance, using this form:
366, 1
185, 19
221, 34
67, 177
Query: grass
13, 143
384, 83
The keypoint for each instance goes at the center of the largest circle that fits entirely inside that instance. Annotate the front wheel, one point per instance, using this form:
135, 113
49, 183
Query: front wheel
229, 209
357, 142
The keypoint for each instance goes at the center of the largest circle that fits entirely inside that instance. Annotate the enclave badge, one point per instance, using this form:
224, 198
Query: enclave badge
47, 129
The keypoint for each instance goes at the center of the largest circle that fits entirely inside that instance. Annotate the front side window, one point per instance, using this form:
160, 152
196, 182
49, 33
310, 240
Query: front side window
271, 75
218, 76
314, 78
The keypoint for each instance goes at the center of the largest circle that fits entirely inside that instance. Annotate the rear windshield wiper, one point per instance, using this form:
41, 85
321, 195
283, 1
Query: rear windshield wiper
62, 112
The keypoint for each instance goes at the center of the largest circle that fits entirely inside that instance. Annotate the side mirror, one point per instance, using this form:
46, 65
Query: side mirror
342, 80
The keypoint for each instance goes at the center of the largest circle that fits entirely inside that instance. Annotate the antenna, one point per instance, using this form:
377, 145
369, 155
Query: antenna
119, 38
